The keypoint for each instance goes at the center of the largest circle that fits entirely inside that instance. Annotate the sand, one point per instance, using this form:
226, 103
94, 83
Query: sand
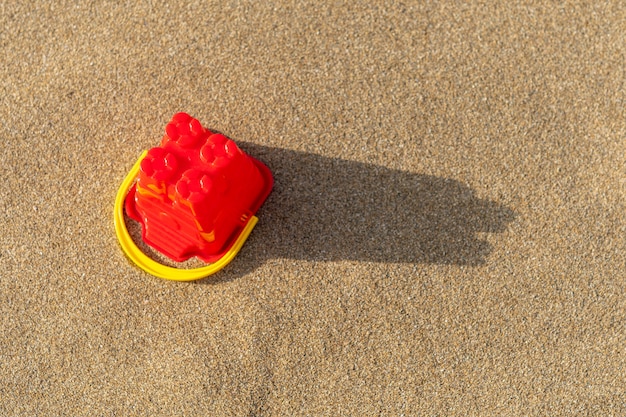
446, 235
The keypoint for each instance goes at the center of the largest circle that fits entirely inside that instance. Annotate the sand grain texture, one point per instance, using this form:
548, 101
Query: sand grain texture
446, 235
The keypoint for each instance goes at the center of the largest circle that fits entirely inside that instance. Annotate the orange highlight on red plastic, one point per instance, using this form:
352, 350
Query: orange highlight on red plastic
196, 192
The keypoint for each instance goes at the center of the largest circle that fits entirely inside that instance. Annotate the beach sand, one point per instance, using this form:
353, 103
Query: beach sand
446, 234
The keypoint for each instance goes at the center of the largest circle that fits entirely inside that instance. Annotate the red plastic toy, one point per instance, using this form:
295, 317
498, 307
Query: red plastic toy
196, 192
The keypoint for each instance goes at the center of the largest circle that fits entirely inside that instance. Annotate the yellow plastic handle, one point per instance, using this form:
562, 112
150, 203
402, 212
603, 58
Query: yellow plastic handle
153, 267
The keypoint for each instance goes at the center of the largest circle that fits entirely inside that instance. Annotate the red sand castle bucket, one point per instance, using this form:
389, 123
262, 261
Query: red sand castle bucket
195, 195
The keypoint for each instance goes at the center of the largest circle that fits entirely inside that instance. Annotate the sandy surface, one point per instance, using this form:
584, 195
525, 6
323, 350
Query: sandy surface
446, 235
